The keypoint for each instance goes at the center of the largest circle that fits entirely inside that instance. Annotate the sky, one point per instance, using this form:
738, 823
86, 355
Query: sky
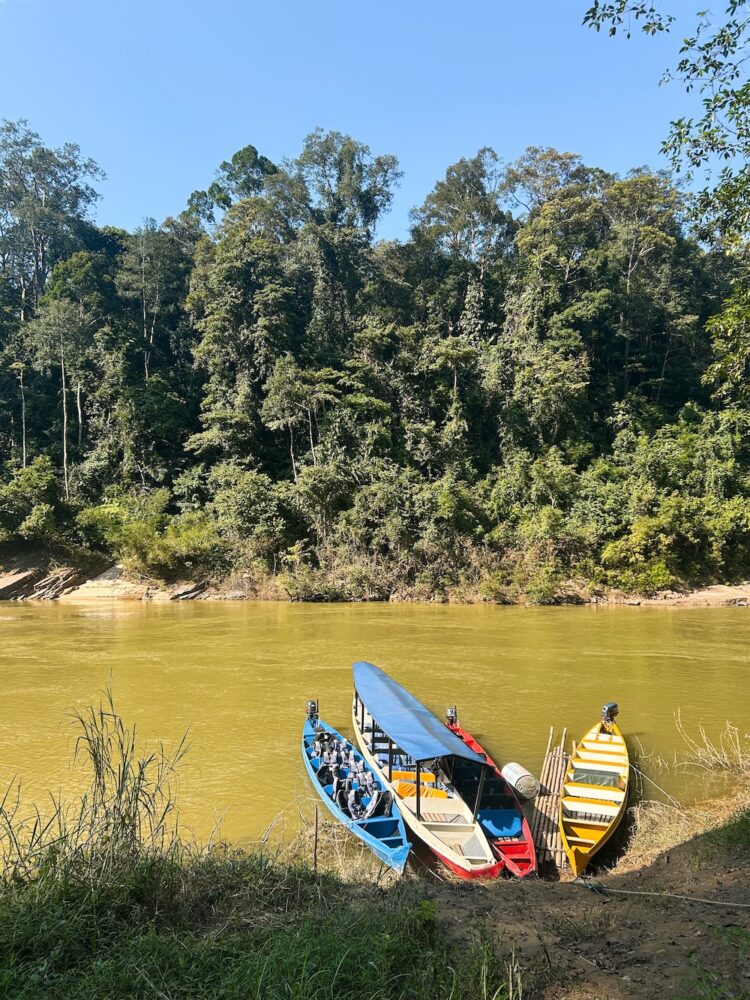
160, 92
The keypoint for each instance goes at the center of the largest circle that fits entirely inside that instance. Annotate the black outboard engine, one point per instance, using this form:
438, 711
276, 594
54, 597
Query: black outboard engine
609, 711
451, 716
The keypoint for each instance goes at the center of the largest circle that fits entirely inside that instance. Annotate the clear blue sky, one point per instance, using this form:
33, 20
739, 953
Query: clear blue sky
160, 92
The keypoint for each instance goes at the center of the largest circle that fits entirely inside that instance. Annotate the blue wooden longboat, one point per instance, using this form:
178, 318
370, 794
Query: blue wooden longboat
384, 835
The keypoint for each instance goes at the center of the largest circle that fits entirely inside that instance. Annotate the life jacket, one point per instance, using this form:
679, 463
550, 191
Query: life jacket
353, 804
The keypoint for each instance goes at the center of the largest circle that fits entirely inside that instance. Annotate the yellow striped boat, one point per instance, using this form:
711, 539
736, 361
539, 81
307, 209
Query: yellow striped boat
595, 791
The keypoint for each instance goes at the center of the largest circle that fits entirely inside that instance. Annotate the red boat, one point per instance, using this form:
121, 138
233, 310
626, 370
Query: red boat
500, 814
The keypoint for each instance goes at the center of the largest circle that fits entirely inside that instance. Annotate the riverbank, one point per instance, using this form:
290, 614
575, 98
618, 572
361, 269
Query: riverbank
31, 575
228, 924
104, 898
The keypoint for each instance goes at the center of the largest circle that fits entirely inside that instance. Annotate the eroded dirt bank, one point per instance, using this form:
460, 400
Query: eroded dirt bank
35, 576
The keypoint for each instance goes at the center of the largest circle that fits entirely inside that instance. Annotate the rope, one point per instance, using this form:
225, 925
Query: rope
602, 890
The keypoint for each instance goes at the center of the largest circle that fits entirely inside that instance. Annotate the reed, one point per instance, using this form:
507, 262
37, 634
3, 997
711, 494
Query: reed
730, 752
102, 898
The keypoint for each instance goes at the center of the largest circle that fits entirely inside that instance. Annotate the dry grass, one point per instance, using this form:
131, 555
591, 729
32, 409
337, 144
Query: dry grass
290, 839
731, 752
658, 826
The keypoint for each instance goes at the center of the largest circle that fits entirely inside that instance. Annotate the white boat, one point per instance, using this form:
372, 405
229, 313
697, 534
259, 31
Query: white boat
414, 753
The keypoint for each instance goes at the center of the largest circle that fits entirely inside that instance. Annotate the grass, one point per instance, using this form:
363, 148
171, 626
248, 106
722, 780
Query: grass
659, 826
102, 898
730, 752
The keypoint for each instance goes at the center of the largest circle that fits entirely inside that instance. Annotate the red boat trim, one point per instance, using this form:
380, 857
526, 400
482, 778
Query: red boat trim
485, 871
527, 861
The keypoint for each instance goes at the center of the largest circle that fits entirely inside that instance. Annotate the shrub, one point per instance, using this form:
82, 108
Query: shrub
29, 502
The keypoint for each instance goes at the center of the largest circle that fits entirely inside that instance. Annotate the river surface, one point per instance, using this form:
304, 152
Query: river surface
236, 677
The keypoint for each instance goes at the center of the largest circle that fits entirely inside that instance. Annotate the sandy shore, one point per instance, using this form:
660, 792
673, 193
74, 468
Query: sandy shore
31, 577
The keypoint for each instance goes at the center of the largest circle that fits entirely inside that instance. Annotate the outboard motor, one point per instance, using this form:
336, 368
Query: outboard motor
609, 711
451, 716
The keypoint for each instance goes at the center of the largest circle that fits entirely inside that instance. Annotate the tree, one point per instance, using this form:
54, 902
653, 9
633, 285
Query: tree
346, 185
60, 335
713, 64
45, 198
153, 276
293, 396
243, 176
463, 214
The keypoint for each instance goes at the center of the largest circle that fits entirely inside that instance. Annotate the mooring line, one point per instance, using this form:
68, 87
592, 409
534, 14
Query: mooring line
604, 889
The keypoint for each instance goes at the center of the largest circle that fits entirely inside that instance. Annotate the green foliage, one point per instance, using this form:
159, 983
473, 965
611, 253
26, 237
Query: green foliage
29, 501
106, 900
542, 389
139, 531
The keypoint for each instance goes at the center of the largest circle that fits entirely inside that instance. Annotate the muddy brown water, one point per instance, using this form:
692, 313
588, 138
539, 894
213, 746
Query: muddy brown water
236, 677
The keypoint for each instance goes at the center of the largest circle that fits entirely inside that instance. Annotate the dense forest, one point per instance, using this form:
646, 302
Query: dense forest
543, 387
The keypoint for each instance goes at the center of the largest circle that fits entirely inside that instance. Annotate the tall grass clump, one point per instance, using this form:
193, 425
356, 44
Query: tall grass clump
102, 898
729, 753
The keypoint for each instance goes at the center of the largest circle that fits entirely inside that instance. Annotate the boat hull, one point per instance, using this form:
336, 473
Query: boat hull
491, 870
394, 856
518, 853
595, 794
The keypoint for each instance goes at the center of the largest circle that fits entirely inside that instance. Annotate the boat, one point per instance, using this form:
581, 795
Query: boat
500, 813
353, 791
595, 790
415, 756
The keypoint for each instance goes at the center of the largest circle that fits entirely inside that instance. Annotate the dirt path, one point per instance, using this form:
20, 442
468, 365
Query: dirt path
572, 943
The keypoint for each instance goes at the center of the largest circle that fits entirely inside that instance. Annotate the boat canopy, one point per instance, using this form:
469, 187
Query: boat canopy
404, 719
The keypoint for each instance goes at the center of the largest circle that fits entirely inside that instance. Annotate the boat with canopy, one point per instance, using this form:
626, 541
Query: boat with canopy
352, 791
415, 756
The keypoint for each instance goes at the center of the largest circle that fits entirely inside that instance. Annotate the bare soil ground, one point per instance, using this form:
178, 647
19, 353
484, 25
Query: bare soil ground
572, 942
567, 941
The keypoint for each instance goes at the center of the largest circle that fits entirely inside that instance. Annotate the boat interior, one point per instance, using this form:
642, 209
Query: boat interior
595, 787
498, 812
436, 802
352, 786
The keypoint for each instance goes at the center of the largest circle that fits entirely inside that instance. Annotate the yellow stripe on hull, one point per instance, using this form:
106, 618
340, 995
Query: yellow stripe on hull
590, 813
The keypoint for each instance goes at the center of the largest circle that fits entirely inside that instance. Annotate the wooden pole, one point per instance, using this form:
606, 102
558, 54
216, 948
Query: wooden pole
419, 781
315, 842
390, 759
482, 776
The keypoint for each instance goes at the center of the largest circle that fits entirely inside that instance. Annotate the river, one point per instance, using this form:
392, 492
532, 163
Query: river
236, 677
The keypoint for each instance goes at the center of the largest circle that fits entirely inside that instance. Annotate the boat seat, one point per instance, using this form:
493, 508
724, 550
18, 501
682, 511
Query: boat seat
408, 789
587, 819
583, 841
500, 822
600, 747
581, 803
582, 789
426, 777
601, 757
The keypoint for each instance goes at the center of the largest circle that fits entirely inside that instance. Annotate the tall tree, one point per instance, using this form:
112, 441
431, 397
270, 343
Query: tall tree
45, 198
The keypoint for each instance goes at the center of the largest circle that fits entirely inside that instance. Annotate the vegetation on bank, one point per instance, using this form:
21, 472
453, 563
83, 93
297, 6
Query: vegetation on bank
546, 381
102, 898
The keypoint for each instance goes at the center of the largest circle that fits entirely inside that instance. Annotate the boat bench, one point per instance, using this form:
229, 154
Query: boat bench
588, 817
432, 817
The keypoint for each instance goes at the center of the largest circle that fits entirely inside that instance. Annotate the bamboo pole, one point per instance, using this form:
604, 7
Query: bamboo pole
315, 842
